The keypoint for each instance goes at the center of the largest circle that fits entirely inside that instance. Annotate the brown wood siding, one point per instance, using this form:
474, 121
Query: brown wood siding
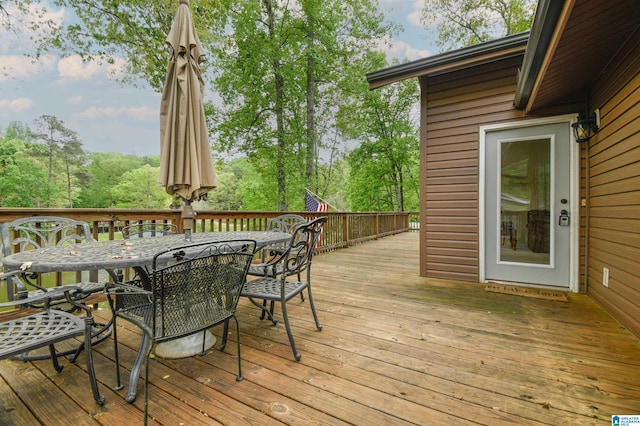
458, 104
614, 189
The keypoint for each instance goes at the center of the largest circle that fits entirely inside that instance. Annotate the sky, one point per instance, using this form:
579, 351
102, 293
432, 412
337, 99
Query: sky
111, 117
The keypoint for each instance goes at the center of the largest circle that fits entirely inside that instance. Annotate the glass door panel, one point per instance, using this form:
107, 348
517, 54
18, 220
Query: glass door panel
525, 201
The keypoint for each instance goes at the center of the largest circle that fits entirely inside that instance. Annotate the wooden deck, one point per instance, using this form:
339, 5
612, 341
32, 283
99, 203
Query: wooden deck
395, 349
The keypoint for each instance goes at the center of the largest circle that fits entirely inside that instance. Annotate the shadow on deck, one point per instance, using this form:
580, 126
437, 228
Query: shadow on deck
395, 349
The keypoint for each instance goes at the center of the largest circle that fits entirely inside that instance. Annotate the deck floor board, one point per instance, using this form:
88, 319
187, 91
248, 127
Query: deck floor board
396, 348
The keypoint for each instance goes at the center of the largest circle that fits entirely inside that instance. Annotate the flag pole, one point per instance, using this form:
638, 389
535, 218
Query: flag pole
319, 198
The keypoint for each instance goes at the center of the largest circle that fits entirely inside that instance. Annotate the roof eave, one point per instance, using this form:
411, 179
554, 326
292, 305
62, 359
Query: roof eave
544, 26
448, 61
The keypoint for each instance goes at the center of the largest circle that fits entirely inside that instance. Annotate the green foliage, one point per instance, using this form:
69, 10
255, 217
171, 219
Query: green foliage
226, 196
106, 170
467, 22
283, 71
139, 189
23, 180
384, 168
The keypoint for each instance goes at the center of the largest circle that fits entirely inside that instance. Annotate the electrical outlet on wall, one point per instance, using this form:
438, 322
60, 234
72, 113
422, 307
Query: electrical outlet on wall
605, 277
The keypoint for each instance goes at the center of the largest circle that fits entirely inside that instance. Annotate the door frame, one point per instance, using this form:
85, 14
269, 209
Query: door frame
574, 186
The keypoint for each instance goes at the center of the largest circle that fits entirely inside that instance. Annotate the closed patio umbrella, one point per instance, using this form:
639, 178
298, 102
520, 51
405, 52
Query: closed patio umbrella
186, 166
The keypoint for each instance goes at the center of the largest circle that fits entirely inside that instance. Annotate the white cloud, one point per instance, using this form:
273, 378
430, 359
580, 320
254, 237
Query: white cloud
15, 105
401, 50
415, 17
75, 100
137, 114
23, 68
73, 68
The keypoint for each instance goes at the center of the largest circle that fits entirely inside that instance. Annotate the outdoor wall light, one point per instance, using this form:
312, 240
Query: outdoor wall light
585, 126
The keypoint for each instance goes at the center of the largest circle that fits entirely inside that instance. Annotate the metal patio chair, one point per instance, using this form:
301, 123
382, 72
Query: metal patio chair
40, 232
277, 285
286, 223
34, 328
194, 287
148, 229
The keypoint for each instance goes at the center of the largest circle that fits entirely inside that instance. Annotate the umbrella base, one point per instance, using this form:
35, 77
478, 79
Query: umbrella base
185, 347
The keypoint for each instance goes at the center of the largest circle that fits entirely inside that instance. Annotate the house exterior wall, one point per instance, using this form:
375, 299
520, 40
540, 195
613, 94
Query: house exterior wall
454, 106
613, 188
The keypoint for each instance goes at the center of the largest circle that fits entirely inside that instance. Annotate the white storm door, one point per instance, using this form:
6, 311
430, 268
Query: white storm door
528, 209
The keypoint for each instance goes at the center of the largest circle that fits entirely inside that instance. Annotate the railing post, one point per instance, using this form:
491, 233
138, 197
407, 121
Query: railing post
345, 229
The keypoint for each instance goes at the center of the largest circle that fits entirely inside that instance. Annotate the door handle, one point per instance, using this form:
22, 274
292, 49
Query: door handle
563, 220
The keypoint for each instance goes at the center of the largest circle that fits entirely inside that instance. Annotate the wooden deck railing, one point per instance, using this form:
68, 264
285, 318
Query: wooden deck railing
342, 229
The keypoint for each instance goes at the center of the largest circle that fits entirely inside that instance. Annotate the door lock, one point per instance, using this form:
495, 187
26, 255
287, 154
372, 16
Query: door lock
564, 218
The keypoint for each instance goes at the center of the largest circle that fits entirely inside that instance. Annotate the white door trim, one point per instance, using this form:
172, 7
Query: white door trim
573, 199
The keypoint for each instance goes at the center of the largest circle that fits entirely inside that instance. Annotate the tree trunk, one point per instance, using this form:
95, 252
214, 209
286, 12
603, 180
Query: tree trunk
311, 110
69, 186
279, 110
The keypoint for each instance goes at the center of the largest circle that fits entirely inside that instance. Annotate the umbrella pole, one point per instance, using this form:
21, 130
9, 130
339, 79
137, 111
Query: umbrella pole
187, 219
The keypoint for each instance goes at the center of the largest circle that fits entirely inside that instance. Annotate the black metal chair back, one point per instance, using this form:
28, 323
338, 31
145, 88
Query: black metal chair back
145, 230
302, 246
148, 229
196, 291
285, 223
38, 232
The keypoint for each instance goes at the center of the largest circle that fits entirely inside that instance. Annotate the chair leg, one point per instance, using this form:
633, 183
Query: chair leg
146, 389
264, 309
116, 355
100, 332
88, 353
225, 330
203, 351
54, 358
313, 309
285, 316
144, 352
239, 378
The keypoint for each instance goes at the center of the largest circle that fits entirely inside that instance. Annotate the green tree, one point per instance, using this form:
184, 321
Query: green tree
105, 170
466, 22
255, 192
57, 138
283, 71
226, 196
384, 168
139, 189
74, 158
23, 180
18, 130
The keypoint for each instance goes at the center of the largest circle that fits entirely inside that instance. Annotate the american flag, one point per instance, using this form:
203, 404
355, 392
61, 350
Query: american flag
314, 205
